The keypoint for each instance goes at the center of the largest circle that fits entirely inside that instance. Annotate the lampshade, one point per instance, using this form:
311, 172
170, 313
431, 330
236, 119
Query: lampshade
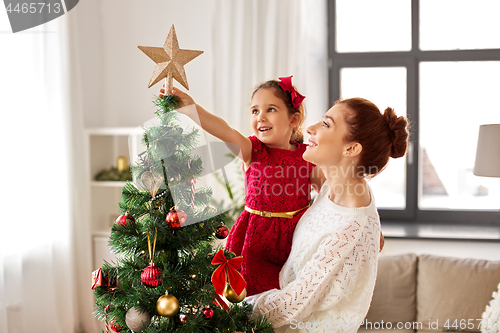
488, 151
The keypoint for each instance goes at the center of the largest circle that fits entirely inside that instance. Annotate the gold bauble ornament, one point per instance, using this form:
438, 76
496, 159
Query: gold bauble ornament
231, 296
167, 305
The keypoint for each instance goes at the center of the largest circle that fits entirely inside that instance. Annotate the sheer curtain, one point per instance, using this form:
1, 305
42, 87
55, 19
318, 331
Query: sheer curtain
40, 259
255, 41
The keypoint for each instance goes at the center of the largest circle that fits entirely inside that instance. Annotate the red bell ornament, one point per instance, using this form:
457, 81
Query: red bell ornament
151, 276
176, 219
125, 219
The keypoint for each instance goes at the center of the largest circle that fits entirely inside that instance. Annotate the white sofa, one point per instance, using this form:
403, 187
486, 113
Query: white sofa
428, 293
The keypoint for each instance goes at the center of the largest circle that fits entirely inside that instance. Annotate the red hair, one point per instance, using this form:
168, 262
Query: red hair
381, 135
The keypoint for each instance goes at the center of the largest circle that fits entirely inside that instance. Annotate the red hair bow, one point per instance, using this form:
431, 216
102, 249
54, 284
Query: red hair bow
286, 85
236, 281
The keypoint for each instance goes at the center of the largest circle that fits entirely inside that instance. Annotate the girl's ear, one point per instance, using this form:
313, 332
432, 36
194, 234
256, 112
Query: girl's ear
294, 120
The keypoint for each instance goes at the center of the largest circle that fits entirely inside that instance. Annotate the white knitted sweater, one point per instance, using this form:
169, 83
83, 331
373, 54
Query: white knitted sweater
327, 282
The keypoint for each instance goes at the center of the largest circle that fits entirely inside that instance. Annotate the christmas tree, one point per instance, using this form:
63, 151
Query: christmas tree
168, 277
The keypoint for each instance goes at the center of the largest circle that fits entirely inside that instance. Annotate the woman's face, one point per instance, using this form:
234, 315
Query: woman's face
326, 141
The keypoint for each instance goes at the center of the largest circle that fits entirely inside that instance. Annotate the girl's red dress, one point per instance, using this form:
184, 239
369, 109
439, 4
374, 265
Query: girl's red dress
277, 180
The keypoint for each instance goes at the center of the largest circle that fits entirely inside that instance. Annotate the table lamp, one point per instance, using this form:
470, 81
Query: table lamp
488, 151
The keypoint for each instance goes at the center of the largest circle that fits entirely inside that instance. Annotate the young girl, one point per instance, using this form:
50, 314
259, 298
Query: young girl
277, 179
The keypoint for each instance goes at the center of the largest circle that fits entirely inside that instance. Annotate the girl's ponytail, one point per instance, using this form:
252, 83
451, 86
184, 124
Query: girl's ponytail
297, 133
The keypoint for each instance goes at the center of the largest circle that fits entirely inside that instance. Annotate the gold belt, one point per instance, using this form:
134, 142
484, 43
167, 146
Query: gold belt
287, 215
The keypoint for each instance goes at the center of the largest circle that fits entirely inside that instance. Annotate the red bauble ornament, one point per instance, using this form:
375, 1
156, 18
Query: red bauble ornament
125, 219
151, 276
116, 327
208, 313
221, 232
176, 219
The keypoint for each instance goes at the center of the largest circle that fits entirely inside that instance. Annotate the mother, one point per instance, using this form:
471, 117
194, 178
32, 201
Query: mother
328, 280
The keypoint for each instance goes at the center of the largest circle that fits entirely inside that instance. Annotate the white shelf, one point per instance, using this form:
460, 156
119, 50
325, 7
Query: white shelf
103, 146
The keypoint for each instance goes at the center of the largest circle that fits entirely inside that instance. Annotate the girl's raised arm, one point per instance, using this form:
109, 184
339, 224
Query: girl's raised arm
214, 125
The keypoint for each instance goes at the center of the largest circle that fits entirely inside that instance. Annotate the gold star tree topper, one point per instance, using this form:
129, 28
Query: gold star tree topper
170, 61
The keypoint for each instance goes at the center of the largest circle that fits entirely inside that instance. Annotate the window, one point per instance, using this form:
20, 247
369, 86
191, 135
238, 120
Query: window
438, 63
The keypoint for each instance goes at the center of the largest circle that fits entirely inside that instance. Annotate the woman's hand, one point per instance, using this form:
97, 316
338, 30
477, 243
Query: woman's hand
184, 98
382, 242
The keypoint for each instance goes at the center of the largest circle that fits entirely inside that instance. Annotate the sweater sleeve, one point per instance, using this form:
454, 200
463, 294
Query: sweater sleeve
329, 276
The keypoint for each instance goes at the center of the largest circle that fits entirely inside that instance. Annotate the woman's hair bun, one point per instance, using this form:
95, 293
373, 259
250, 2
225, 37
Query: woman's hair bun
399, 133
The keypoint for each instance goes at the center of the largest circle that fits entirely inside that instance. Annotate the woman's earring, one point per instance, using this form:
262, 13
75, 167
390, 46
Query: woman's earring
345, 153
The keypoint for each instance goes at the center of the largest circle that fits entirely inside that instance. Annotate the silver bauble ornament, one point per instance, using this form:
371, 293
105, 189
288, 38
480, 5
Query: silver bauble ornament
137, 319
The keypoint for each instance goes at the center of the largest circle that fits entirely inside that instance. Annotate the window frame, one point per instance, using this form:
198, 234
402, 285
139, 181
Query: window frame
411, 217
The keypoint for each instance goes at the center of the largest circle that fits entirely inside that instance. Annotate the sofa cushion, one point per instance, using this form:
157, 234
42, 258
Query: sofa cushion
454, 292
394, 295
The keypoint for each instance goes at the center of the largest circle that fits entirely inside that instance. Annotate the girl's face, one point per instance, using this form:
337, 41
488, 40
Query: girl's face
326, 142
271, 122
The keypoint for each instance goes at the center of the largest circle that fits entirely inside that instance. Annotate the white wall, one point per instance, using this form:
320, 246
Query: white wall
115, 73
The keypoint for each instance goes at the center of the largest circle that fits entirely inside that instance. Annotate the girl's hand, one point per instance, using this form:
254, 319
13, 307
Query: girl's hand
185, 99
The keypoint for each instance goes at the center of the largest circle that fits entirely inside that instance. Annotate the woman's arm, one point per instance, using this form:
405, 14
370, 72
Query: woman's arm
331, 273
214, 125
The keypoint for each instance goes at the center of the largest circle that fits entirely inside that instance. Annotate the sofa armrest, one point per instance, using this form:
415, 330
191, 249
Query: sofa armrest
454, 291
